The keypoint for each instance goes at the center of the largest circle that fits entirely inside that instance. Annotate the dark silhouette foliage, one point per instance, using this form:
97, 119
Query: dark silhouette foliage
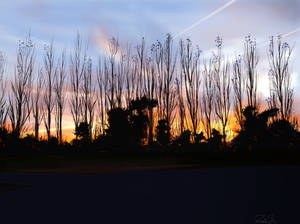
118, 126
262, 131
199, 137
215, 141
163, 132
184, 139
83, 131
139, 118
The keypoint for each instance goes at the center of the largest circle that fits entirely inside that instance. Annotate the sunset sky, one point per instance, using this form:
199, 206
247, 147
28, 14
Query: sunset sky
129, 21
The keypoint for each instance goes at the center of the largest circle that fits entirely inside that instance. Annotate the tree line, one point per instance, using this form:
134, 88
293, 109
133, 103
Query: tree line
145, 95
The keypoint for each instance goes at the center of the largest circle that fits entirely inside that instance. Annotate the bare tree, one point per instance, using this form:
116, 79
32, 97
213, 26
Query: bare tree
281, 92
208, 97
222, 87
3, 106
121, 75
59, 86
238, 87
159, 66
88, 100
166, 91
113, 50
251, 60
130, 77
149, 88
141, 68
49, 69
19, 100
102, 101
180, 103
77, 68
37, 106
190, 67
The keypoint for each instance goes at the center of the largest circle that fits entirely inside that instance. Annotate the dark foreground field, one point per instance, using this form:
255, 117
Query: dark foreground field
214, 195
97, 163
150, 188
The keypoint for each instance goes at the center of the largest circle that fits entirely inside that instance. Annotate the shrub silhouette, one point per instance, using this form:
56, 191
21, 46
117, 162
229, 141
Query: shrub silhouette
199, 137
139, 119
163, 132
118, 126
83, 131
184, 139
215, 142
254, 131
284, 134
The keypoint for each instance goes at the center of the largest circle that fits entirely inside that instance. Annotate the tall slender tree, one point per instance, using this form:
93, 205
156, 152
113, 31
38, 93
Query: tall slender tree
208, 97
251, 60
3, 104
88, 100
37, 106
150, 87
282, 93
49, 69
111, 71
59, 88
166, 92
102, 102
77, 67
190, 67
222, 87
20, 98
238, 84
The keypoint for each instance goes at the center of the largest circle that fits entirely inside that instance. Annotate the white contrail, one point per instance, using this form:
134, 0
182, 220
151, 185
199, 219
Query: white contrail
283, 35
291, 32
205, 18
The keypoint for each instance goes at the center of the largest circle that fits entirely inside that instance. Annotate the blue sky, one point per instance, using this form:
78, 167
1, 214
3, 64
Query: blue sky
130, 20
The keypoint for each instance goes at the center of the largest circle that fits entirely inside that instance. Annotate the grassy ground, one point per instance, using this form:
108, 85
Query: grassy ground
108, 163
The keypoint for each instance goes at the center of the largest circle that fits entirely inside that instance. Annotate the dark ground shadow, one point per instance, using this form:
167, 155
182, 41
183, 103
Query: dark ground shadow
226, 195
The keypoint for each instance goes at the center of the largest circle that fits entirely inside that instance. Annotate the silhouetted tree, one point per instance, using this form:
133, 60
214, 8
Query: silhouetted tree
20, 98
37, 107
163, 133
184, 139
254, 132
130, 77
251, 60
118, 126
199, 137
87, 99
281, 93
180, 103
102, 101
222, 88
4, 136
284, 134
150, 84
111, 71
141, 65
238, 84
139, 119
3, 105
190, 67
83, 131
208, 97
165, 67
121, 74
59, 87
77, 68
215, 141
